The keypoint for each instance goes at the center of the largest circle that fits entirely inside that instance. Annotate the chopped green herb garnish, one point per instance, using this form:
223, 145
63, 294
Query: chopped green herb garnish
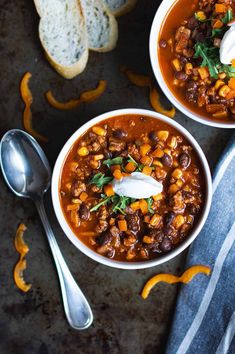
115, 161
103, 202
139, 167
209, 57
150, 203
218, 32
227, 17
100, 180
119, 203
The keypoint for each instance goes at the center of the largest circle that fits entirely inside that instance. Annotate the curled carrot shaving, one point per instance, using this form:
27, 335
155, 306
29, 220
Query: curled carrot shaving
22, 249
156, 104
87, 96
185, 278
136, 79
154, 97
27, 97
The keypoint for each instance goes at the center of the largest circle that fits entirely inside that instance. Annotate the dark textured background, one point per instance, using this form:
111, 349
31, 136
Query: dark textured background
34, 323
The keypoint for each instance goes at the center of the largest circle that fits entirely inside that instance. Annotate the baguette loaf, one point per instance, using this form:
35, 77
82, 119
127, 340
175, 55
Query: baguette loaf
63, 35
102, 29
120, 7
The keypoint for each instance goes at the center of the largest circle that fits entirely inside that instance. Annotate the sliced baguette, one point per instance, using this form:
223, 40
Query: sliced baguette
120, 7
102, 29
63, 35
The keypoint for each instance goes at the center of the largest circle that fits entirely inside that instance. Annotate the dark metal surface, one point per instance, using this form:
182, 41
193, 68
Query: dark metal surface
34, 323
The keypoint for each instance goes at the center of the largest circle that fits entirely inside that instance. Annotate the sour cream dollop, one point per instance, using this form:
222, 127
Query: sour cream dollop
227, 46
137, 185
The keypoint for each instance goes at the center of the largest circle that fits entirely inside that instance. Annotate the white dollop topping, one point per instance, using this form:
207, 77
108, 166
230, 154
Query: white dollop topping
137, 185
227, 46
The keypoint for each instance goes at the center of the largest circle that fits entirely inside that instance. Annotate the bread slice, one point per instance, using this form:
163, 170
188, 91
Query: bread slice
63, 35
120, 7
101, 25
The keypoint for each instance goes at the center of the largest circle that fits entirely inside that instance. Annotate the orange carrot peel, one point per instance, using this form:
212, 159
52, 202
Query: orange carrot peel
154, 97
27, 97
86, 96
22, 249
185, 278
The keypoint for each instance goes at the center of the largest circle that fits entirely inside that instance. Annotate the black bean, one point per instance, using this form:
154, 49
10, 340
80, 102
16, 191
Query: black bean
193, 23
180, 75
169, 217
166, 245
167, 160
184, 160
162, 43
157, 234
153, 136
103, 239
183, 60
107, 154
110, 253
119, 134
192, 209
133, 222
84, 212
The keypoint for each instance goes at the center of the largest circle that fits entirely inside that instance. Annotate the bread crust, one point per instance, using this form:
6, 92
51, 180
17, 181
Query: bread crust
68, 72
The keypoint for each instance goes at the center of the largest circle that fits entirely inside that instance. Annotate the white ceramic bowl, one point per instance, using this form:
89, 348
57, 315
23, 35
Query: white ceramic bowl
160, 15
65, 226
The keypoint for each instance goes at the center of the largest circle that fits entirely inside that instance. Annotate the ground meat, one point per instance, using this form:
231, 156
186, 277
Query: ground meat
182, 39
116, 145
177, 202
191, 91
102, 226
77, 188
103, 213
133, 151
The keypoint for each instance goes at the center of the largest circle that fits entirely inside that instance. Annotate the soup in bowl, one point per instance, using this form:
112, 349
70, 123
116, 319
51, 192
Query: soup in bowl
192, 51
131, 188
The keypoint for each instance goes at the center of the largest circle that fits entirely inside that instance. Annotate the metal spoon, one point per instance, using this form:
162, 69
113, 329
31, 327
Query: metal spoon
28, 174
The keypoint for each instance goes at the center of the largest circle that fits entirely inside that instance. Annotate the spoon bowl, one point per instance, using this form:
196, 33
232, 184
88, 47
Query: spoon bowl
24, 164
28, 174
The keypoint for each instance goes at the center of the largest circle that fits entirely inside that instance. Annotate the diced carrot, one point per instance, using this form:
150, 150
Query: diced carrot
233, 63
122, 225
143, 206
111, 221
157, 197
83, 196
115, 167
146, 160
147, 170
130, 167
124, 174
158, 152
231, 83
108, 190
135, 206
117, 174
220, 8
144, 149
147, 218
230, 95
148, 239
217, 24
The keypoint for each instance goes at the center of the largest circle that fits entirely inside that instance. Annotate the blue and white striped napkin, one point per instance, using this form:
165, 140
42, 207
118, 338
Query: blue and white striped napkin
204, 321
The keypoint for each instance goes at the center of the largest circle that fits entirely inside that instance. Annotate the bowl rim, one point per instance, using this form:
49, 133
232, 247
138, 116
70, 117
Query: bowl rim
162, 12
60, 215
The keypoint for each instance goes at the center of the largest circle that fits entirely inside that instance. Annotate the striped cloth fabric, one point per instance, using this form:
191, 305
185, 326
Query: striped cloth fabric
204, 321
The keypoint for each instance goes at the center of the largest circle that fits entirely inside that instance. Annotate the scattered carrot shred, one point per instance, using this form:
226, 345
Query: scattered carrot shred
27, 97
136, 79
86, 96
185, 278
22, 249
155, 102
154, 97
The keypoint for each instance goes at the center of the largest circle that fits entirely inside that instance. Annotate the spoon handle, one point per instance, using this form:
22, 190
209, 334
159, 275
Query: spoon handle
77, 309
